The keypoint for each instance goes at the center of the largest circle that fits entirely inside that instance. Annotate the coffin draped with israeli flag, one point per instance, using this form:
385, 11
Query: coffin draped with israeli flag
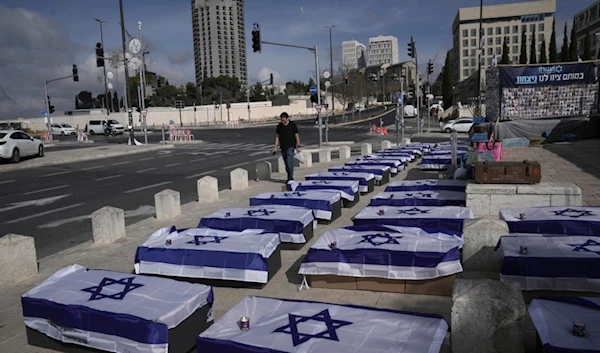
320, 202
438, 162
384, 252
365, 180
427, 184
419, 198
449, 218
445, 152
395, 166
566, 220
113, 311
293, 326
208, 253
378, 171
557, 263
415, 151
289, 221
402, 157
347, 188
553, 318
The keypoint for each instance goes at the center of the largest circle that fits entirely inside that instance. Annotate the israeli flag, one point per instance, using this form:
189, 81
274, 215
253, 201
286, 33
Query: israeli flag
387, 252
208, 253
406, 149
362, 178
402, 156
294, 326
320, 202
427, 184
557, 263
566, 220
346, 188
419, 198
449, 218
377, 171
553, 318
394, 158
288, 221
395, 165
111, 311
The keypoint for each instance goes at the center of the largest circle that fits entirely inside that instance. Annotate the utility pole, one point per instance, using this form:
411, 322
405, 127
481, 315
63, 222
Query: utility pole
143, 86
126, 95
75, 77
331, 67
104, 69
480, 56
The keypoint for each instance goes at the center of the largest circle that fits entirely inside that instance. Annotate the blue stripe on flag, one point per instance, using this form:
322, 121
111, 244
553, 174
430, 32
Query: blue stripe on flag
425, 223
415, 202
322, 205
347, 189
425, 188
357, 170
242, 223
200, 257
361, 181
553, 267
565, 227
382, 257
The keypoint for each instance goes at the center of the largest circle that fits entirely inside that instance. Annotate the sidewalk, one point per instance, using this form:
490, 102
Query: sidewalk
80, 155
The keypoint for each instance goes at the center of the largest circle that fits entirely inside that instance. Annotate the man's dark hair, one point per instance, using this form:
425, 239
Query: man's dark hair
284, 115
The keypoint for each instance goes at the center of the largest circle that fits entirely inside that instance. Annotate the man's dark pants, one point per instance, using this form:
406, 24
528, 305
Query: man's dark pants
288, 159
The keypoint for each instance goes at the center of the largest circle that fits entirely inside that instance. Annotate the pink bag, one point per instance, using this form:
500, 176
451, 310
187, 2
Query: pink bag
494, 147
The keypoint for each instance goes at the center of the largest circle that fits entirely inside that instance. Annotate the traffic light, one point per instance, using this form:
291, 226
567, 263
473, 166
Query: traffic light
75, 74
50, 106
429, 68
271, 79
346, 79
99, 55
256, 40
314, 98
412, 90
411, 48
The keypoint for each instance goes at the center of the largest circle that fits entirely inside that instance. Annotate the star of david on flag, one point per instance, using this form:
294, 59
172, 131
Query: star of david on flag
413, 211
322, 182
295, 193
127, 284
584, 246
340, 173
420, 194
298, 338
374, 239
573, 213
213, 239
261, 212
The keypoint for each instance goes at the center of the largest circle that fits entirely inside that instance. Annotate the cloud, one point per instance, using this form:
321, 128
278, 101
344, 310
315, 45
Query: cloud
264, 73
181, 57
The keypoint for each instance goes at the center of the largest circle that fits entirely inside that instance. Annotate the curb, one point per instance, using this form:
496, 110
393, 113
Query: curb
84, 158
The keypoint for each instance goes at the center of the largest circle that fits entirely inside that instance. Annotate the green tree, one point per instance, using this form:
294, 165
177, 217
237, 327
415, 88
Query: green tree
505, 60
115, 105
165, 96
76, 103
533, 49
587, 48
227, 88
564, 52
192, 94
448, 81
573, 45
553, 54
543, 56
523, 56
257, 93
294, 88
86, 100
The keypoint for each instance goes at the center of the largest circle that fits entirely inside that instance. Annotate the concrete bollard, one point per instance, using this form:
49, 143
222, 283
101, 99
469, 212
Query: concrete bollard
108, 225
18, 259
238, 179
345, 152
487, 317
280, 165
385, 145
405, 141
366, 148
208, 189
325, 156
263, 170
481, 235
307, 160
167, 204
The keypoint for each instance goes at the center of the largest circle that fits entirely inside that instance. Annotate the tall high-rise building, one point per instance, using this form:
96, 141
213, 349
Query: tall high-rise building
500, 22
352, 52
383, 50
219, 39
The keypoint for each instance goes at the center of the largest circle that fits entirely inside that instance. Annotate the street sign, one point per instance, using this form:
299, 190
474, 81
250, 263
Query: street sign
313, 90
326, 74
318, 108
44, 113
179, 104
327, 84
144, 112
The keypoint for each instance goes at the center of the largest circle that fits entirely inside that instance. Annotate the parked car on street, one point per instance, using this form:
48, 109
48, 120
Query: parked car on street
410, 111
63, 129
16, 144
458, 125
97, 126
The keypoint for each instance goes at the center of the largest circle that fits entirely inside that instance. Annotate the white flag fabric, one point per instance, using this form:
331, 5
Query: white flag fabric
448, 218
406, 149
553, 319
558, 263
407, 156
347, 188
566, 220
208, 253
318, 201
427, 184
395, 166
288, 221
375, 170
111, 311
402, 157
362, 178
278, 326
444, 152
419, 198
387, 252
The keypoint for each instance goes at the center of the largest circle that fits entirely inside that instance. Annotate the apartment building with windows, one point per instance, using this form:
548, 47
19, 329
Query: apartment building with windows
383, 50
499, 22
219, 39
353, 54
587, 22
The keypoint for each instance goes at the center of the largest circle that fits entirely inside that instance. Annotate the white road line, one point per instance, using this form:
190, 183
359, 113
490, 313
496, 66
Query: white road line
48, 189
145, 170
172, 165
110, 177
147, 187
43, 213
258, 153
163, 156
146, 159
265, 159
57, 173
96, 167
121, 163
198, 160
201, 174
7, 181
236, 165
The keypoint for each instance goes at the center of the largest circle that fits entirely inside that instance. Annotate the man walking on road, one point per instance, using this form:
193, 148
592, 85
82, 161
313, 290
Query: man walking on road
288, 139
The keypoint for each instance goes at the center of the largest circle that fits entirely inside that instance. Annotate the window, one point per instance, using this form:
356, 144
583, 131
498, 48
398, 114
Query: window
498, 40
515, 29
541, 27
473, 62
473, 52
498, 31
490, 31
465, 52
473, 42
490, 51
531, 27
490, 41
515, 49
524, 28
498, 50
507, 39
515, 39
540, 37
466, 72
465, 62
489, 61
465, 33
507, 30
473, 32
515, 59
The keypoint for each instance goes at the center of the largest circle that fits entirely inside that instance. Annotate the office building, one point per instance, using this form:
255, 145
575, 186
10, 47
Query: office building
219, 39
383, 50
587, 22
352, 54
499, 22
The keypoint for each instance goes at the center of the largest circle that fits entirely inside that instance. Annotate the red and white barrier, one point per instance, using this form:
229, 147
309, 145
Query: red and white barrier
235, 123
81, 136
180, 135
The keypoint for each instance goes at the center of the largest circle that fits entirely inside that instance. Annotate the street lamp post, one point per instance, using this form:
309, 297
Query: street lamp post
331, 67
142, 86
126, 95
104, 69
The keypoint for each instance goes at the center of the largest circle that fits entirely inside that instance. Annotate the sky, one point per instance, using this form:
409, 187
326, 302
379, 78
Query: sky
41, 39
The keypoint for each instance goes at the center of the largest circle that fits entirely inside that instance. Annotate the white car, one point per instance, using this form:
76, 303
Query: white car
458, 125
15, 144
409, 111
63, 129
97, 126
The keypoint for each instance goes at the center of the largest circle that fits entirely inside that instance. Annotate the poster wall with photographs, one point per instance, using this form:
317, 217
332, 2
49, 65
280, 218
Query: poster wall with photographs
548, 91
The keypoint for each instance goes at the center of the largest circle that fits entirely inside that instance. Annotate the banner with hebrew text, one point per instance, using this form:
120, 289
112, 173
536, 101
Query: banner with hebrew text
547, 75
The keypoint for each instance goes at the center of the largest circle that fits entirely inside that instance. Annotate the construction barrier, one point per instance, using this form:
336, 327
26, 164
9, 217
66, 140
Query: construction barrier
379, 130
81, 136
45, 136
180, 135
235, 123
